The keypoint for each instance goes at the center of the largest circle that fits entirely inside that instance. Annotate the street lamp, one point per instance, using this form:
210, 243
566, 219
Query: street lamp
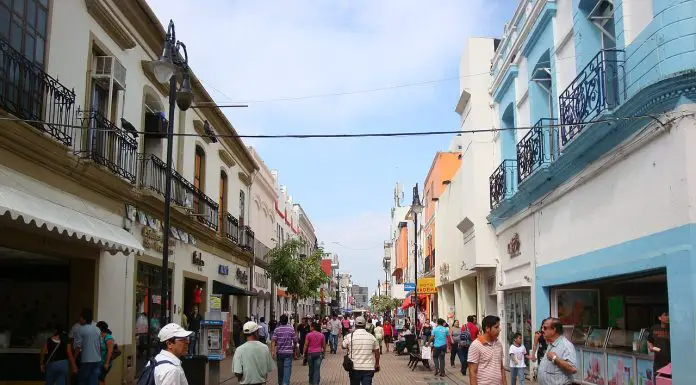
416, 208
165, 69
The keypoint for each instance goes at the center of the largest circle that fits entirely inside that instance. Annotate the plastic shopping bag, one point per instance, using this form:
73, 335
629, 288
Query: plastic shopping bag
426, 353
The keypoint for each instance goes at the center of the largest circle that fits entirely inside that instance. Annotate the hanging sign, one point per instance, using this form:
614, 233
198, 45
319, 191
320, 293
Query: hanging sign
426, 286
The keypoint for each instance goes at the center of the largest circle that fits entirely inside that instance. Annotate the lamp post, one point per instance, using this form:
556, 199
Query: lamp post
416, 208
165, 70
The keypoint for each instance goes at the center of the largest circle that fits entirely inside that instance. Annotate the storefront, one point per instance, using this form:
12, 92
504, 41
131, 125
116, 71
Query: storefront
609, 321
261, 304
518, 318
148, 310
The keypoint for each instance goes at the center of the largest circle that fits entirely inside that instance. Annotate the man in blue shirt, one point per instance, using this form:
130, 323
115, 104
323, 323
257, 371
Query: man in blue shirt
88, 343
439, 337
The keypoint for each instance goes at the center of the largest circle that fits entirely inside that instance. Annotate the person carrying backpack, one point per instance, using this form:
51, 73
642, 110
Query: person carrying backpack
165, 368
463, 344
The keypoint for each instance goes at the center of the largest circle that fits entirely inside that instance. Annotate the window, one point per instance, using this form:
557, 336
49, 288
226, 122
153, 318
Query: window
23, 24
241, 207
198, 176
223, 201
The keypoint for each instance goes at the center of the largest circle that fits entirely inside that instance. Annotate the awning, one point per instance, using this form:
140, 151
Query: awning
63, 220
223, 288
398, 270
407, 302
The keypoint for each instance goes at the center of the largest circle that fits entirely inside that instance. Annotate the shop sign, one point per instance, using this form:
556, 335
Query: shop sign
197, 260
426, 286
223, 270
513, 246
152, 239
242, 276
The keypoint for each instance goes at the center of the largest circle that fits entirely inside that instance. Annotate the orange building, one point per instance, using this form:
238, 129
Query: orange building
445, 165
401, 249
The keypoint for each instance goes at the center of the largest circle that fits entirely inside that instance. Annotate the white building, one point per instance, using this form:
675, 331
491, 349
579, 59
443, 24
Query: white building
466, 244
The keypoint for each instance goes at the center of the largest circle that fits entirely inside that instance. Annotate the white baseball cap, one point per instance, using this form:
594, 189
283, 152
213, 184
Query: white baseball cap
172, 330
360, 321
250, 327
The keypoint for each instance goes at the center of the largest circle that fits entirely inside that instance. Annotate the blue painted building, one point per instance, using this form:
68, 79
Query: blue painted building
593, 199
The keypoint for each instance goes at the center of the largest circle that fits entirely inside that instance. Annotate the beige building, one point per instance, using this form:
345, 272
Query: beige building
83, 177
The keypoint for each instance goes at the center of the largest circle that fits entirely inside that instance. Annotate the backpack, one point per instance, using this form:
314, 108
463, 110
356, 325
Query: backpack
370, 328
465, 339
147, 376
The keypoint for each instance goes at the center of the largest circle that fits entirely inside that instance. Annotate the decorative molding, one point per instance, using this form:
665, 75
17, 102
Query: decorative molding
513, 247
100, 12
245, 178
544, 19
162, 88
226, 158
508, 81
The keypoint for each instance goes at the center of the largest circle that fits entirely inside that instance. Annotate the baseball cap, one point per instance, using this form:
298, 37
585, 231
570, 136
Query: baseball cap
250, 327
172, 330
360, 321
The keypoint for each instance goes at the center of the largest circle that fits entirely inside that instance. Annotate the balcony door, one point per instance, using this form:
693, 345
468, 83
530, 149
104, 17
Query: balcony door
223, 203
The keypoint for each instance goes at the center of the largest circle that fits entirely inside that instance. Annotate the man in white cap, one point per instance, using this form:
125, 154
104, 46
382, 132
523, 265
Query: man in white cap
252, 361
175, 343
363, 350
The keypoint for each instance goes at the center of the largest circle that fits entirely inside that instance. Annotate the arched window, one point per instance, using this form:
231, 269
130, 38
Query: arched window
223, 202
199, 175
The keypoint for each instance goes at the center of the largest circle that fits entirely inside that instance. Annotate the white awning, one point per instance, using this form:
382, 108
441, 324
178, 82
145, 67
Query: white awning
63, 220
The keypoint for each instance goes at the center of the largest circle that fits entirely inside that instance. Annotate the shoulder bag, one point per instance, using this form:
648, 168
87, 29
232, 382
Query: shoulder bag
348, 361
53, 352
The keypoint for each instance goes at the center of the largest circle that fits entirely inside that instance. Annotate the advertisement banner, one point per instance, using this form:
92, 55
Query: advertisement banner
426, 286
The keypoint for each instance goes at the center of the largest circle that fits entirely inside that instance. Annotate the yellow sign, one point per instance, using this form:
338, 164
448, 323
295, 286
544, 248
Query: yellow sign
426, 286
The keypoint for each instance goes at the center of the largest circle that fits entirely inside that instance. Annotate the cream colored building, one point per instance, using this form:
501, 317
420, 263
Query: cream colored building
81, 192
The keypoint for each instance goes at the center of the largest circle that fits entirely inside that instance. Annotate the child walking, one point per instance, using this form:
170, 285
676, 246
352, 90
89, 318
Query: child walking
517, 365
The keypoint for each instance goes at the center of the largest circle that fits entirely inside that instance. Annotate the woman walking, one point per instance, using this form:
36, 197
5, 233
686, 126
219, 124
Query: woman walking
315, 345
388, 330
107, 349
455, 333
439, 340
56, 358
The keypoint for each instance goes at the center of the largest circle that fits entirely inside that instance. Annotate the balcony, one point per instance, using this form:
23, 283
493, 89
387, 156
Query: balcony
261, 251
502, 182
107, 145
28, 93
232, 228
593, 92
183, 193
248, 239
537, 149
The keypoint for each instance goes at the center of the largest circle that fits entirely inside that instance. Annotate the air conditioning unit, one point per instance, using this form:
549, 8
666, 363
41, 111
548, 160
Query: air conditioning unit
108, 70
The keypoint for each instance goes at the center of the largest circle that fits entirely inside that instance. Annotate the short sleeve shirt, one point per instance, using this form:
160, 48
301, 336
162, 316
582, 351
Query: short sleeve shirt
440, 333
285, 338
315, 342
335, 326
253, 361
549, 372
360, 345
489, 357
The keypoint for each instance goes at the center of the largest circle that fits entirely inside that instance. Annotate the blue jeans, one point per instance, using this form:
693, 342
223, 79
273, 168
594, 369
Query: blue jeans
361, 377
88, 374
284, 362
516, 373
463, 353
314, 368
193, 344
57, 372
333, 342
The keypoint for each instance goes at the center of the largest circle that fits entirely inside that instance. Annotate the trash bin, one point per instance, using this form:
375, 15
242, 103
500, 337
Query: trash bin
195, 369
664, 375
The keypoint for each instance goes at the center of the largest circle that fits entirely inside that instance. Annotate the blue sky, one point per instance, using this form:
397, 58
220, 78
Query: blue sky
258, 51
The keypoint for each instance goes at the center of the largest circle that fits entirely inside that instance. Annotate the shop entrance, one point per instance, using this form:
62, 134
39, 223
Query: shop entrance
518, 318
195, 293
148, 301
609, 322
39, 293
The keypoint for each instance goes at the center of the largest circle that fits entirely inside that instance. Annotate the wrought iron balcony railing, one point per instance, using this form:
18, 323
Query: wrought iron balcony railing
261, 250
107, 145
153, 171
232, 228
595, 90
537, 148
502, 182
29, 93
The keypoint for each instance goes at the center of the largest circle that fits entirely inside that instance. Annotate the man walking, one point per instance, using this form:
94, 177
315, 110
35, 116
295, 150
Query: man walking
88, 347
252, 361
486, 355
560, 363
283, 344
363, 350
263, 331
175, 344
439, 340
334, 329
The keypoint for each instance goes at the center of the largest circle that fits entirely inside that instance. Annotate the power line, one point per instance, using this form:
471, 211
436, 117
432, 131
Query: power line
366, 135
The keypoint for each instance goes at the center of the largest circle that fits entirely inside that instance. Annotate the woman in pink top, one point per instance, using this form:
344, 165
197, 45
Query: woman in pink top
315, 345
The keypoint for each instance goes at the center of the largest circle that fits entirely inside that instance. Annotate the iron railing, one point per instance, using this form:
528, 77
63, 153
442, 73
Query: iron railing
248, 239
595, 90
261, 250
537, 147
107, 145
29, 93
502, 182
185, 194
232, 228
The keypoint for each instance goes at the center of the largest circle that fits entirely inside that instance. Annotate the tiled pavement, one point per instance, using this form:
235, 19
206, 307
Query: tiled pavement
393, 371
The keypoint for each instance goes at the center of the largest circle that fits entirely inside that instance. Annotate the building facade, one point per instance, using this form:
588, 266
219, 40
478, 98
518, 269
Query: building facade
591, 206
83, 184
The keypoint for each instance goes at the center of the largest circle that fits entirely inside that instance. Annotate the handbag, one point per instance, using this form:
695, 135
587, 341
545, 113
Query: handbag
348, 361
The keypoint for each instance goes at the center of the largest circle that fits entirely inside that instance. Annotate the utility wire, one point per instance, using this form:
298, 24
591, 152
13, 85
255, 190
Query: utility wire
364, 135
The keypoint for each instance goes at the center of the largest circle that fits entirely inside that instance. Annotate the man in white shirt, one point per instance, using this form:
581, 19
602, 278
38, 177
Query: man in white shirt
363, 349
263, 330
175, 343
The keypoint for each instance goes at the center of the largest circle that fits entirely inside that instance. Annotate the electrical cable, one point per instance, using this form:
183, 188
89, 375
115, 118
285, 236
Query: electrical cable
360, 135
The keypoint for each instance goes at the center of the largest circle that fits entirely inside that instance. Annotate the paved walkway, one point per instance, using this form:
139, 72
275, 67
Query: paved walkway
394, 371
